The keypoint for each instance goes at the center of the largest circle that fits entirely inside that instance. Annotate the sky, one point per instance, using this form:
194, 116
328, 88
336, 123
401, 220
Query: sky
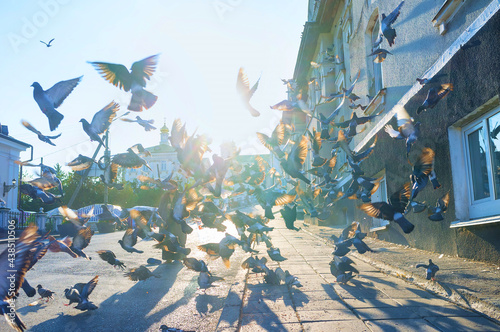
202, 44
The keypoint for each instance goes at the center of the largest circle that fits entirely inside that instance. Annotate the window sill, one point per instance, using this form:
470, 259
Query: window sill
475, 222
376, 102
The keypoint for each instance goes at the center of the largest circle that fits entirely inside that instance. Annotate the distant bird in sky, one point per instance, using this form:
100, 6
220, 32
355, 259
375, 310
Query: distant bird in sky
380, 55
100, 122
243, 88
52, 98
386, 24
434, 95
147, 124
47, 44
430, 269
41, 137
133, 80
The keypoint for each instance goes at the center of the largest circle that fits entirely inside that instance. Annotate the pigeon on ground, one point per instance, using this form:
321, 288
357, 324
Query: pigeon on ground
129, 240
133, 80
344, 277
436, 213
243, 88
79, 293
147, 124
110, 257
430, 271
52, 98
257, 265
100, 122
165, 328
44, 293
380, 55
41, 137
140, 273
341, 265
434, 95
20, 263
47, 44
386, 24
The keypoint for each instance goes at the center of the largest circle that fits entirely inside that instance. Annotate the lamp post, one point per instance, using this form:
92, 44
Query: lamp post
8, 187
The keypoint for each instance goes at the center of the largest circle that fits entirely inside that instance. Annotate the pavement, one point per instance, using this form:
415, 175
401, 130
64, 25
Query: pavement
376, 300
382, 298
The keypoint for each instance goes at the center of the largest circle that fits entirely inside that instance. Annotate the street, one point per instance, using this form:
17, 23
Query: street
372, 301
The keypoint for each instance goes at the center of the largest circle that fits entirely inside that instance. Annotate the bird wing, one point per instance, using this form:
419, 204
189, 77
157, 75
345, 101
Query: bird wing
128, 238
20, 262
89, 287
116, 74
391, 18
401, 198
298, 154
82, 239
144, 69
61, 90
278, 134
422, 265
30, 127
242, 84
335, 112
425, 163
374, 209
102, 119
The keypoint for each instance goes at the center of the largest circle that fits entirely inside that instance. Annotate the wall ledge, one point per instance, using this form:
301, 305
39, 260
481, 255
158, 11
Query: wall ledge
475, 222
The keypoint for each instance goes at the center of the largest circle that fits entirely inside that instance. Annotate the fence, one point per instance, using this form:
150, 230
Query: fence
22, 219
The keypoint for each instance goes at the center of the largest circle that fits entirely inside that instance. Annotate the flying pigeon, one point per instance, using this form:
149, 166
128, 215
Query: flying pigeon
100, 122
389, 212
81, 241
41, 137
80, 163
47, 44
79, 293
430, 271
243, 88
380, 55
110, 257
52, 98
275, 255
436, 213
20, 263
133, 80
434, 95
408, 129
386, 24
129, 240
147, 124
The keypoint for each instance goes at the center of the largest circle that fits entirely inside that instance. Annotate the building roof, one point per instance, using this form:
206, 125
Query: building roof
162, 148
12, 139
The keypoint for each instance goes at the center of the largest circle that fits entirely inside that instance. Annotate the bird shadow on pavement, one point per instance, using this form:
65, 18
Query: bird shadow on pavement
34, 308
421, 8
203, 301
131, 310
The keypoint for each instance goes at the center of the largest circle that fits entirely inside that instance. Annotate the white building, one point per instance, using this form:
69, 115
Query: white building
10, 149
163, 160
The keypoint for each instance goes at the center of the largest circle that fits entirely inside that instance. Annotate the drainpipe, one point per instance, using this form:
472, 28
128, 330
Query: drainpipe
19, 183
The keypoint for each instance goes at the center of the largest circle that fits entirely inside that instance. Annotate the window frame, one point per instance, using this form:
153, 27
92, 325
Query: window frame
488, 206
459, 168
381, 224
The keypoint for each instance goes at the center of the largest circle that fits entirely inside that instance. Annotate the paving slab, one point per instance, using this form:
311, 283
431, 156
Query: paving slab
326, 315
343, 326
464, 324
406, 325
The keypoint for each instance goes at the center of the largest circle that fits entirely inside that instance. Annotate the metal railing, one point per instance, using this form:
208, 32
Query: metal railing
22, 219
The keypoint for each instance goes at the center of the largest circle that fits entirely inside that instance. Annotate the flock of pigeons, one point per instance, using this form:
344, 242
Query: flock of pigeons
199, 197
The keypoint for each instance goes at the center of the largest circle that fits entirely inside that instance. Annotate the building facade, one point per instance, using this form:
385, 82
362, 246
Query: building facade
163, 160
10, 149
452, 41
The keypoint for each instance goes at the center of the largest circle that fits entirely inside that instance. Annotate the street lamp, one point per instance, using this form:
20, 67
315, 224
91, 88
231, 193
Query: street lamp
8, 187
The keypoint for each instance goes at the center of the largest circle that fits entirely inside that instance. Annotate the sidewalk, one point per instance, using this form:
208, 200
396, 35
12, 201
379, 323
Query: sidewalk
372, 301
472, 284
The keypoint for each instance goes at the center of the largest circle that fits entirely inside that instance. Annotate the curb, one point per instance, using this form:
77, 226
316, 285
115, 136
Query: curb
456, 296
